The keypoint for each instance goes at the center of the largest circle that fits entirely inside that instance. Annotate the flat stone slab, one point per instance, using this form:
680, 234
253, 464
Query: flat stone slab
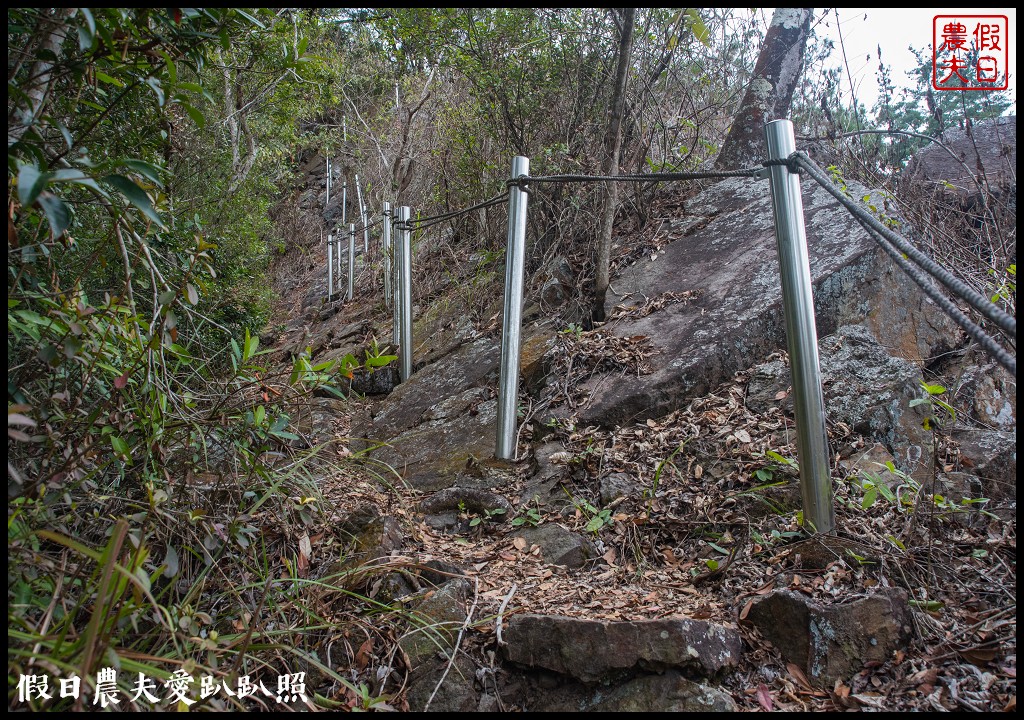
594, 650
439, 390
727, 254
439, 453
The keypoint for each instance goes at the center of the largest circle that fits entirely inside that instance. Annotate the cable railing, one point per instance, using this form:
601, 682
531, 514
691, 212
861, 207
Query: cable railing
783, 168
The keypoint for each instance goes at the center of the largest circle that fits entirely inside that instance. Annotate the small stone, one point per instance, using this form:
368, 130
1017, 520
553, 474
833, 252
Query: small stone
559, 546
615, 486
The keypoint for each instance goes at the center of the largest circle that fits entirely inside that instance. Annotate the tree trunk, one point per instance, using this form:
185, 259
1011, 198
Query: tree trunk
613, 147
37, 86
770, 92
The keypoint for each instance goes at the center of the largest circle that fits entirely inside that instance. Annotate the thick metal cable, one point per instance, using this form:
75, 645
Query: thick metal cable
986, 341
644, 177
960, 288
425, 222
894, 250
360, 227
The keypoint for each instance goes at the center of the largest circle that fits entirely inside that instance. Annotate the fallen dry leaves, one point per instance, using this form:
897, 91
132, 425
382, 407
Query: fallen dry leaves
710, 525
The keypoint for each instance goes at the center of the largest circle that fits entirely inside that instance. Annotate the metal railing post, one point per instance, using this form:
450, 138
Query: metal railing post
344, 198
396, 283
351, 260
330, 266
404, 257
328, 182
386, 243
515, 256
362, 216
801, 333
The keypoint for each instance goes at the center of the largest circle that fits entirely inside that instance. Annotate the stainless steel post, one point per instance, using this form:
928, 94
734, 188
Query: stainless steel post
386, 243
365, 217
351, 260
515, 256
344, 199
801, 333
330, 266
328, 182
396, 283
404, 237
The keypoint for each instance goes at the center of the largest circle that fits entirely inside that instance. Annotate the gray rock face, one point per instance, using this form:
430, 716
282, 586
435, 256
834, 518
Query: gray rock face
990, 394
992, 456
439, 615
593, 650
957, 486
428, 644
558, 283
559, 546
438, 454
473, 500
379, 382
727, 252
545, 487
431, 393
992, 147
833, 642
870, 463
440, 419
864, 387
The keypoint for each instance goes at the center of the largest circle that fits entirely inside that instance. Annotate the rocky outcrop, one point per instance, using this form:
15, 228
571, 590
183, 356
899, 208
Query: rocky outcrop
432, 637
989, 394
990, 147
451, 405
864, 387
991, 455
666, 692
727, 253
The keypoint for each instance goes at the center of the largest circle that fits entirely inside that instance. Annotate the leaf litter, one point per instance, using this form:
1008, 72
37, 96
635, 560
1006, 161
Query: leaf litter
711, 524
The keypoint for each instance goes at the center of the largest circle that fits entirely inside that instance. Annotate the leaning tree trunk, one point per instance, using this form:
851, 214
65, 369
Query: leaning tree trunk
770, 91
613, 147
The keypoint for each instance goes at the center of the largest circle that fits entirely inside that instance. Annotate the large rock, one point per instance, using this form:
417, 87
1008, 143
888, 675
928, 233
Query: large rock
546, 486
442, 453
834, 642
989, 393
727, 252
440, 390
594, 650
447, 508
991, 147
992, 456
437, 618
867, 389
443, 406
617, 485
